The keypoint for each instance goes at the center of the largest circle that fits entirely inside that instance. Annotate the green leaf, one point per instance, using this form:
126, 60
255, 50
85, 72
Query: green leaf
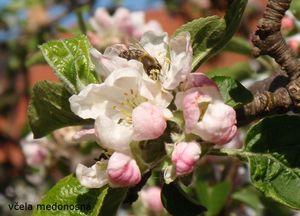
49, 109
112, 201
272, 149
177, 203
234, 93
68, 197
218, 196
209, 35
202, 192
250, 197
213, 198
295, 8
238, 71
70, 60
238, 45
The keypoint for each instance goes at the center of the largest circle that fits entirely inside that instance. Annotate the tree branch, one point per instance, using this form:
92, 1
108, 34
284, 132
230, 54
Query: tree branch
278, 92
268, 39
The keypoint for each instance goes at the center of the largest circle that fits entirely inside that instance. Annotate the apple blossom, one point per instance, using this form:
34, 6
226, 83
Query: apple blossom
116, 106
122, 171
175, 65
185, 157
36, 153
150, 198
92, 177
119, 171
121, 27
205, 113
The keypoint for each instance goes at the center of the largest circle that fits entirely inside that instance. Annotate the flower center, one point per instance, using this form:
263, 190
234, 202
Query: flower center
131, 100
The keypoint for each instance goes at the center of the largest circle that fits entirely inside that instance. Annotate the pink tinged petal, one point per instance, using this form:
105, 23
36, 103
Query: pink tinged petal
35, 153
92, 177
218, 124
181, 54
103, 18
112, 135
151, 199
191, 111
93, 38
148, 122
121, 14
85, 135
122, 171
152, 25
179, 100
123, 21
198, 80
185, 157
35, 150
235, 143
106, 64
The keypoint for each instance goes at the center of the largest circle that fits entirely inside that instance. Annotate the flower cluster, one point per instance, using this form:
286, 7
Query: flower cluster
121, 27
137, 101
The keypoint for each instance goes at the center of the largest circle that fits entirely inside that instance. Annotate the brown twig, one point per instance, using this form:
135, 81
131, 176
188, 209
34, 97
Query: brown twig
268, 40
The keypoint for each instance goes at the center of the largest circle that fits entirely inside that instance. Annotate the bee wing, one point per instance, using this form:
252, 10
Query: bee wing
137, 48
115, 50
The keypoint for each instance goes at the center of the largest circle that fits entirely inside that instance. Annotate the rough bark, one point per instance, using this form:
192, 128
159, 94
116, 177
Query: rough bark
279, 92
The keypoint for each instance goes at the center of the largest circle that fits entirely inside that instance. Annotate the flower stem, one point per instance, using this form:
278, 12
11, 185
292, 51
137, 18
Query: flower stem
226, 152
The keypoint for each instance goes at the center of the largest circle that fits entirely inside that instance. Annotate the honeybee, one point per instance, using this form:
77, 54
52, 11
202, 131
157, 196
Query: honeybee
137, 52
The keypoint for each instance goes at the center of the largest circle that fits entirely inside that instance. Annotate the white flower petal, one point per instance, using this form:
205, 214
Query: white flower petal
155, 44
106, 64
179, 100
84, 135
181, 54
113, 135
102, 17
92, 177
126, 79
90, 102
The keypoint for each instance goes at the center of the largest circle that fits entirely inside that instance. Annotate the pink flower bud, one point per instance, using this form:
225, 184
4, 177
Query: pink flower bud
151, 199
287, 24
294, 45
204, 112
185, 157
122, 171
148, 122
218, 124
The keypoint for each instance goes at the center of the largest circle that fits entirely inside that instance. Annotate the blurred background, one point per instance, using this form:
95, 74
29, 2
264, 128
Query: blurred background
29, 167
